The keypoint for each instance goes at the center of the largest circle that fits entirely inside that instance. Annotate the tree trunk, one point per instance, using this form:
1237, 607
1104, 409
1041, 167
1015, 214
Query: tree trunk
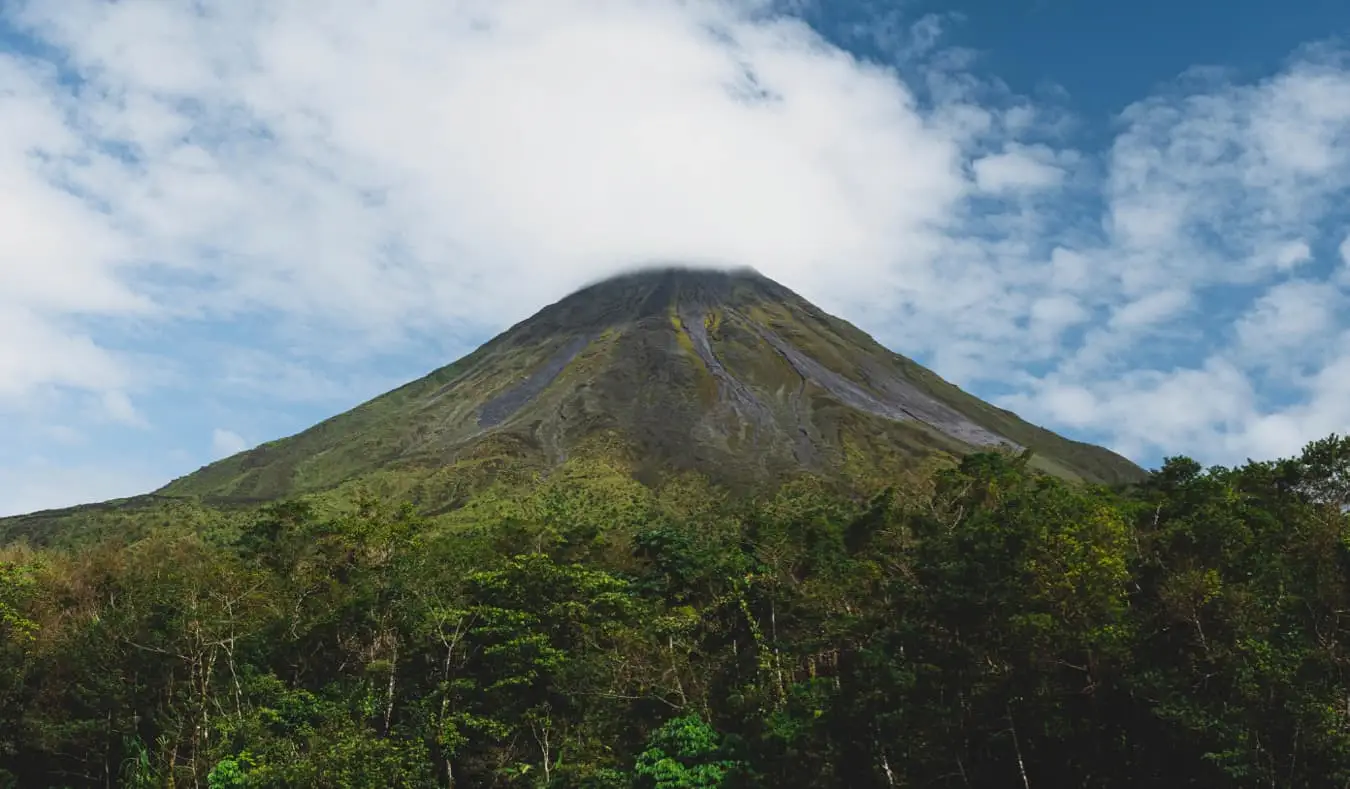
1017, 748
389, 693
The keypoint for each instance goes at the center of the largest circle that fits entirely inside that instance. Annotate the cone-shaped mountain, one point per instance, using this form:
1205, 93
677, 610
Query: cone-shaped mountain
726, 373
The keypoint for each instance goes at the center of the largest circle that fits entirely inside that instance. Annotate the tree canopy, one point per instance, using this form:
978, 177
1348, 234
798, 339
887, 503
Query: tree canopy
982, 626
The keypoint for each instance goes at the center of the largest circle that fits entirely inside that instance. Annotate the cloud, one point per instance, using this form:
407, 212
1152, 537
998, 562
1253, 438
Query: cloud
37, 352
226, 442
405, 166
1150, 309
1051, 315
318, 192
1018, 168
1343, 271
1291, 321
1204, 186
119, 408
1152, 411
1292, 254
1214, 195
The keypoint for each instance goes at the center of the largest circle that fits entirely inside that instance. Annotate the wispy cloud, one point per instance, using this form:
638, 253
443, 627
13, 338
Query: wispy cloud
227, 442
1227, 200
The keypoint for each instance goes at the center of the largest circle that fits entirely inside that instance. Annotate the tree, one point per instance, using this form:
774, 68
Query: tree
684, 753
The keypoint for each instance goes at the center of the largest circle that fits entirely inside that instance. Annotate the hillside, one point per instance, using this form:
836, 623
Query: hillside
726, 373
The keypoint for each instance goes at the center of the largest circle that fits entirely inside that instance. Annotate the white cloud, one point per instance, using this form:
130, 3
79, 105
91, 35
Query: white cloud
1153, 411
1343, 270
1293, 321
38, 352
119, 408
1150, 309
1324, 409
1214, 191
1203, 186
384, 161
227, 442
1292, 254
1051, 315
1018, 168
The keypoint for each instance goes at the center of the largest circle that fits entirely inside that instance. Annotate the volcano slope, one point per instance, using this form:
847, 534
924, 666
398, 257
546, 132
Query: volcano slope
728, 374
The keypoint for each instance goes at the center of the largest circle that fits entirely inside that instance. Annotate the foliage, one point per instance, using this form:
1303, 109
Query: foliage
684, 753
986, 625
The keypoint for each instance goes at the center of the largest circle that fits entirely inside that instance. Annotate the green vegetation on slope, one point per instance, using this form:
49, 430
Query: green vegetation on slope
621, 358
975, 625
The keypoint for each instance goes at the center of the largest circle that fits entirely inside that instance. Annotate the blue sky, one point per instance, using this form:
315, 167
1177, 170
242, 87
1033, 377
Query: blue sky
226, 221
1109, 55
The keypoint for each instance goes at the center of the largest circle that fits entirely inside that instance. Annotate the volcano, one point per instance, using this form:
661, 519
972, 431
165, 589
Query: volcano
724, 373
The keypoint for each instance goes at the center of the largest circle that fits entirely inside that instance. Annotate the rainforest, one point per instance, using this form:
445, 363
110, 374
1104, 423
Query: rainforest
970, 623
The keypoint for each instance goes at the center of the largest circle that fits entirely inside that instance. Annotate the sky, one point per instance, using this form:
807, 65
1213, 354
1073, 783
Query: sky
224, 221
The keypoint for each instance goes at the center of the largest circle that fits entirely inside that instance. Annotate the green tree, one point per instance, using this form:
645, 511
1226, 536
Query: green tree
684, 753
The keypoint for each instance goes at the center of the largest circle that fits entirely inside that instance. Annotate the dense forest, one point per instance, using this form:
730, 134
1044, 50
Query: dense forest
975, 625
